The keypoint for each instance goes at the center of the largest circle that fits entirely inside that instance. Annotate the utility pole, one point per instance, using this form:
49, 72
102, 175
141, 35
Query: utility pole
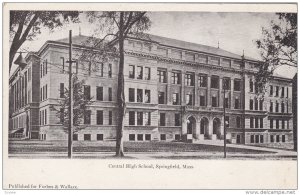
224, 111
70, 136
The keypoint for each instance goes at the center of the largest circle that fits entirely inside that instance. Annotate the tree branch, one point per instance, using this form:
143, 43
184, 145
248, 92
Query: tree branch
132, 23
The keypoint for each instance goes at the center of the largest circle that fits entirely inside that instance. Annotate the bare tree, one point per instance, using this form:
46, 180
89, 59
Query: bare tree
116, 27
25, 25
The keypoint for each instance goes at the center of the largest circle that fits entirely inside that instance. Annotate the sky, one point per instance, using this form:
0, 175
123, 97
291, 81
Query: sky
235, 32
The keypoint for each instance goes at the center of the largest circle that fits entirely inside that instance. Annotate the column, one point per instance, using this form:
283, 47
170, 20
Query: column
208, 91
183, 89
183, 128
197, 130
231, 93
196, 95
220, 99
210, 128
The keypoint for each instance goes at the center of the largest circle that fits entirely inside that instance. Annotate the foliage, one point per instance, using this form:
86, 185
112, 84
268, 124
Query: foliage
25, 25
80, 105
277, 46
114, 28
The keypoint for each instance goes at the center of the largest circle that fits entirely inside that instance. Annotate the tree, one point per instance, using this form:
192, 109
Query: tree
118, 26
277, 46
80, 105
25, 25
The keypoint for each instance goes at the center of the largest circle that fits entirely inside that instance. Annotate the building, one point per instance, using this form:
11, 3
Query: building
174, 92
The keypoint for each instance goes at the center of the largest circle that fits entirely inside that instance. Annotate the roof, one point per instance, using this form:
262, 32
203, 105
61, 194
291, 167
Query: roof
81, 39
196, 47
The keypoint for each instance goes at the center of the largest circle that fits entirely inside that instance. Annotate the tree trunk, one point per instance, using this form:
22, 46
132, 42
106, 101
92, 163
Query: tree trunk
12, 53
120, 94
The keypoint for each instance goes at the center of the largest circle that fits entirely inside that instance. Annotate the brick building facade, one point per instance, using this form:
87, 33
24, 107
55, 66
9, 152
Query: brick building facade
173, 90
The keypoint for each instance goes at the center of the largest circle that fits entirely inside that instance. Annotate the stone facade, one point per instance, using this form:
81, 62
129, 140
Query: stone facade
173, 89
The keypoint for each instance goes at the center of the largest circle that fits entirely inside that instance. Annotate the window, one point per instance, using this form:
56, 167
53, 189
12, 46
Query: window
236, 103
251, 122
87, 92
226, 102
139, 72
256, 103
41, 70
177, 119
62, 90
189, 99
131, 95
251, 85
99, 137
261, 104
87, 137
282, 91
139, 118
277, 123
283, 138
238, 122
131, 71
139, 95
109, 70
256, 87
271, 123
87, 117
140, 137
62, 62
256, 138
202, 81
261, 123
277, 91
261, 138
226, 122
283, 124
175, 78
251, 104
45, 117
287, 90
131, 137
99, 93
277, 138
256, 122
271, 106
109, 94
99, 117
62, 118
271, 138
282, 107
147, 118
226, 83
177, 137
271, 90
215, 82
202, 100
162, 119
214, 102
162, 76
101, 67
277, 107
189, 79
175, 98
252, 139
148, 137
161, 97
163, 137
89, 70
110, 117
147, 73
147, 96
75, 137
237, 85
131, 118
